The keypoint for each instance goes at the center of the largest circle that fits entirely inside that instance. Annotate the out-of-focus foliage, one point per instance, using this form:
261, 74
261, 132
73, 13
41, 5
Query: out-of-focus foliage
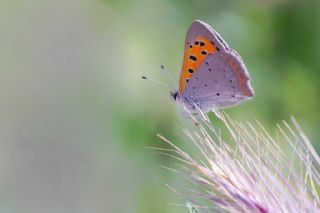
76, 116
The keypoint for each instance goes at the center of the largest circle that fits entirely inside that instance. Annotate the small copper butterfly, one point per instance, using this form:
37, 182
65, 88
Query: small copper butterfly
213, 75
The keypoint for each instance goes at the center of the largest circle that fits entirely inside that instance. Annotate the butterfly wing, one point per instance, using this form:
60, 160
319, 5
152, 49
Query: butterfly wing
219, 77
201, 41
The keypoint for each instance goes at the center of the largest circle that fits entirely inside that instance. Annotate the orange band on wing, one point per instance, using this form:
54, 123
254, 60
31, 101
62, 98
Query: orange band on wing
194, 55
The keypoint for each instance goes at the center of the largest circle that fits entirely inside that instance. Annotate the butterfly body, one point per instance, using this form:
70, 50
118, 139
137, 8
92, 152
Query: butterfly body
213, 75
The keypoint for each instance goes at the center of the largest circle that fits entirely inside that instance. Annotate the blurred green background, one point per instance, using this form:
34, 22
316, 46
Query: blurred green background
76, 116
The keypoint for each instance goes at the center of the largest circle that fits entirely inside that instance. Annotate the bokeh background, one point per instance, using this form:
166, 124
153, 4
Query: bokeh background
75, 116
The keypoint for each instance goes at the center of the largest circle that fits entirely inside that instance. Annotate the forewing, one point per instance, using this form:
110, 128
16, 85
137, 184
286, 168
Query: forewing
201, 41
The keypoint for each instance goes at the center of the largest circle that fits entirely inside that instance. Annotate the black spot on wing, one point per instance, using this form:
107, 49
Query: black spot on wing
193, 57
203, 52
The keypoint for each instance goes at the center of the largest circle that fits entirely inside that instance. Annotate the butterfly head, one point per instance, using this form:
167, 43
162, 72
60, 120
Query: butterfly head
174, 95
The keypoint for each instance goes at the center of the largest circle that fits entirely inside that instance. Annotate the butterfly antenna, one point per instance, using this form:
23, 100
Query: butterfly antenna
169, 76
156, 81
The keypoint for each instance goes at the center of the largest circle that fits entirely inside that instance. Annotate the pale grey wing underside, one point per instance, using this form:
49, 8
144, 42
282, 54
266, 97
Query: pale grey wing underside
214, 85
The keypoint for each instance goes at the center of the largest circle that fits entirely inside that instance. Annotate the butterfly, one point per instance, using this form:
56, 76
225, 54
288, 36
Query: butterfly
213, 75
